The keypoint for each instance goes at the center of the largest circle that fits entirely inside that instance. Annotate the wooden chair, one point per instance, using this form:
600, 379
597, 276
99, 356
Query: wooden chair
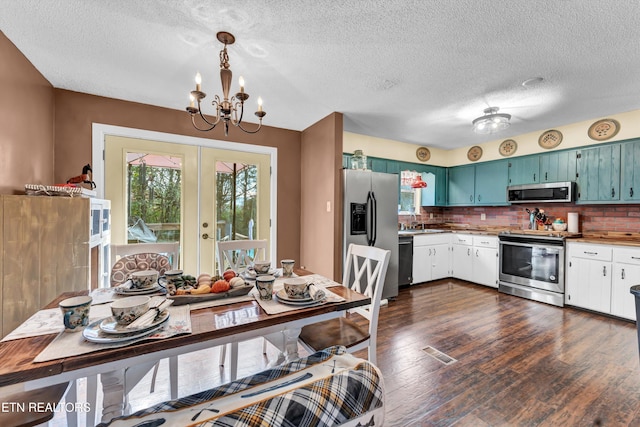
365, 270
236, 255
170, 250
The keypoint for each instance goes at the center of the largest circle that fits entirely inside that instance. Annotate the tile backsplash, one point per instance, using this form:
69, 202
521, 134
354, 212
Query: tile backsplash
593, 218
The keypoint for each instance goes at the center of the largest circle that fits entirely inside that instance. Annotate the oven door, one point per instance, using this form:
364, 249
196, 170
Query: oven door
535, 264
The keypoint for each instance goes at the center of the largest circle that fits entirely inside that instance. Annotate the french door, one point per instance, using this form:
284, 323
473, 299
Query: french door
165, 191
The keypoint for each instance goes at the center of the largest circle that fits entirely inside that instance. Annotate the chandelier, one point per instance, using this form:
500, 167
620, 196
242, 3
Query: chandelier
228, 110
491, 122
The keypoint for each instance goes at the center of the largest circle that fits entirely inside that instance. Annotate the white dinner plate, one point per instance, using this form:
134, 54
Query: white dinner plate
284, 299
110, 326
93, 333
121, 290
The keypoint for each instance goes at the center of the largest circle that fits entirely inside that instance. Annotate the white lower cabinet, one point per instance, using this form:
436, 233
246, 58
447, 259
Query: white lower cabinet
462, 257
431, 257
626, 273
485, 260
475, 259
599, 278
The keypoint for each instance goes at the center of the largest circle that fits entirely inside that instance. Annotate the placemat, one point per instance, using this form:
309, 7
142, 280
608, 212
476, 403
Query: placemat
273, 306
43, 322
68, 344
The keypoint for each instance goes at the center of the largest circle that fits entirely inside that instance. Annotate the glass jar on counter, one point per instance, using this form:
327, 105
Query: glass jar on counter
358, 160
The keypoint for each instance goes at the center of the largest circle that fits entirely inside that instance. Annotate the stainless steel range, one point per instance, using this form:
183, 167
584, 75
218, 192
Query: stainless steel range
532, 266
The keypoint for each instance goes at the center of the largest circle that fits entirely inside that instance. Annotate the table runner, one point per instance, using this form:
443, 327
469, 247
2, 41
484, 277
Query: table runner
68, 344
327, 388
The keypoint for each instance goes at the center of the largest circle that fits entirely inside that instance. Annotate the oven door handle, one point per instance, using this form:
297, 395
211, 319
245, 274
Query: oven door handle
529, 245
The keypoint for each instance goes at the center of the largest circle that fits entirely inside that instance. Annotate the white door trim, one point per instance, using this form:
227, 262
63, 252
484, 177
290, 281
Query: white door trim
99, 132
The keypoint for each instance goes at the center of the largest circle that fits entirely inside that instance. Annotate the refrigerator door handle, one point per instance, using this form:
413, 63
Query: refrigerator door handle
374, 221
369, 219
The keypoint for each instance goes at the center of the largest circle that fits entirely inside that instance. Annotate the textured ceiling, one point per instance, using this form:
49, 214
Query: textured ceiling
415, 71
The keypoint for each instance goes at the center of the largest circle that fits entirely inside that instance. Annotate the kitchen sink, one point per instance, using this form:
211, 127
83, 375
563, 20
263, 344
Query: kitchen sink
425, 231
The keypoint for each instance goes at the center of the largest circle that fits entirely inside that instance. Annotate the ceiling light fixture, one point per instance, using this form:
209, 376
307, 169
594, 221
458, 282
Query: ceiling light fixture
491, 122
226, 110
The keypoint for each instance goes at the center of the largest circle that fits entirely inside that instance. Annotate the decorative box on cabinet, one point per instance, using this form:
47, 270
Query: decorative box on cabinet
45, 251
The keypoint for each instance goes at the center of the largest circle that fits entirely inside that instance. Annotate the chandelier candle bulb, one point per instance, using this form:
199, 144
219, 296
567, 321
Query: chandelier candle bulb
192, 101
260, 104
241, 83
198, 82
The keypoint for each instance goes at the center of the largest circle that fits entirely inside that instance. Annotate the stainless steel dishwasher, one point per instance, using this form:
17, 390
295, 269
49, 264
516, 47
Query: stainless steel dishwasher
405, 260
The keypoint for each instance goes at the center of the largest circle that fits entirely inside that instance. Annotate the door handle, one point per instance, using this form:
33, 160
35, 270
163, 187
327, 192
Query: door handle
622, 274
613, 192
604, 270
205, 236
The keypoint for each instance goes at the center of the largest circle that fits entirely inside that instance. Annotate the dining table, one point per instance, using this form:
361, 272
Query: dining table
209, 326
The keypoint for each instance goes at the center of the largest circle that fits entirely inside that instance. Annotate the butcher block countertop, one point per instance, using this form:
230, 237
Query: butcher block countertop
601, 237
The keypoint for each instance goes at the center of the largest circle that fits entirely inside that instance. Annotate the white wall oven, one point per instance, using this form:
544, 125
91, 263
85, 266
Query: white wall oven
532, 266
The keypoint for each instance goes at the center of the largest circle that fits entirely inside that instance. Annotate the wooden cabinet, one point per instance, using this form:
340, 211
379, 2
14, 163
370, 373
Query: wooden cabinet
626, 273
481, 184
461, 187
45, 251
558, 166
589, 273
599, 174
475, 259
630, 191
485, 260
431, 259
524, 170
491, 180
435, 194
462, 257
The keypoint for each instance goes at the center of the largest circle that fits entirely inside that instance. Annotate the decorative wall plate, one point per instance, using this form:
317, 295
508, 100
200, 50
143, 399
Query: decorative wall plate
423, 154
508, 147
474, 153
550, 139
603, 129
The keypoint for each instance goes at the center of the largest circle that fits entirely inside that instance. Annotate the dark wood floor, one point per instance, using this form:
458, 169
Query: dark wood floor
519, 362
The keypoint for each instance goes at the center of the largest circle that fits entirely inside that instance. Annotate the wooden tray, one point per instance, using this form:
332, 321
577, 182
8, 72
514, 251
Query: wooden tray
192, 299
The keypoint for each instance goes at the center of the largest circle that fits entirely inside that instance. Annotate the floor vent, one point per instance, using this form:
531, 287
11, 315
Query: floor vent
439, 356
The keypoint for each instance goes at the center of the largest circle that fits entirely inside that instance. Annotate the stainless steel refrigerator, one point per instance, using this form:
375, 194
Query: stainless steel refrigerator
371, 217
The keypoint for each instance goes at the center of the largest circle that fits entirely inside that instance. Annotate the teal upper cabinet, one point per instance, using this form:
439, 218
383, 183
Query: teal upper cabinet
524, 170
346, 161
481, 184
435, 194
377, 165
558, 166
631, 171
491, 183
599, 174
461, 186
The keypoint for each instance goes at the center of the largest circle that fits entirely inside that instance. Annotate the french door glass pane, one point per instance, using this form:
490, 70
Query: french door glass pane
236, 198
154, 197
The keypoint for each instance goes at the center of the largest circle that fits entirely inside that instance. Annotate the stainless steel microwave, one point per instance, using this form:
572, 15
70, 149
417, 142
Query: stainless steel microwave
547, 192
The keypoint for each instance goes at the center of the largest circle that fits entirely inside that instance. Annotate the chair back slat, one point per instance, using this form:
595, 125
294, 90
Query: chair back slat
238, 254
365, 271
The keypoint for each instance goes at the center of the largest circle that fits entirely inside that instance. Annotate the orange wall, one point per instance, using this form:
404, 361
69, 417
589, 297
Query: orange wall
320, 246
26, 122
